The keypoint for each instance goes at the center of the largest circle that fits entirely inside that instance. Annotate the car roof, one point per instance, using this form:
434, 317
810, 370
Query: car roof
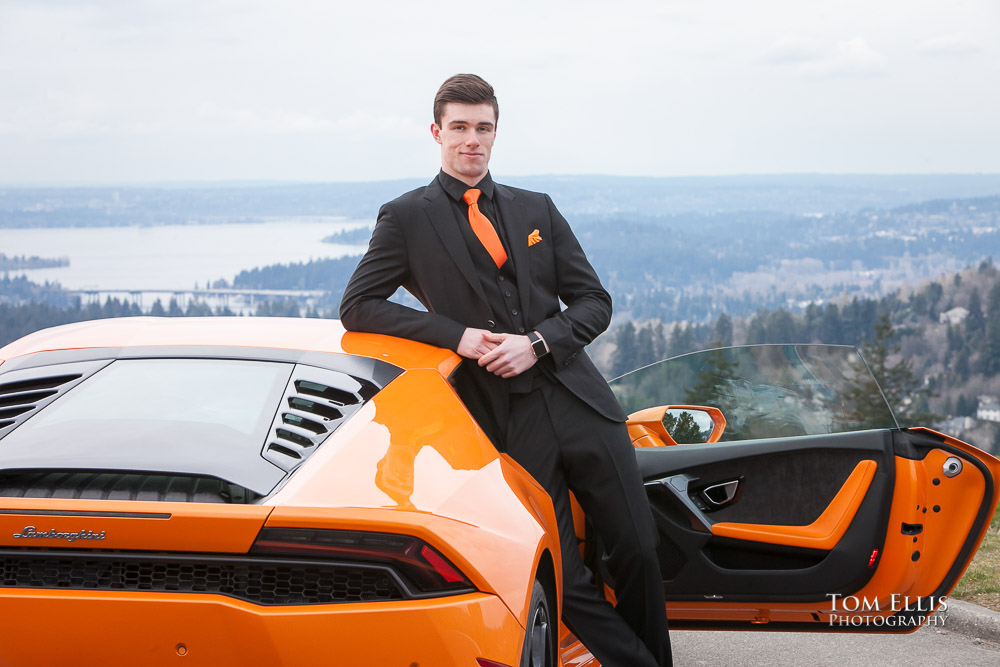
291, 333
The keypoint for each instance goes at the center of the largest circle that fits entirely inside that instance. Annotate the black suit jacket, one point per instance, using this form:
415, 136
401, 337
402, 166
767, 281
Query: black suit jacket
415, 245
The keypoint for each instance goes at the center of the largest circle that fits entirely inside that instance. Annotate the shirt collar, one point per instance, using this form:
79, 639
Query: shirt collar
456, 188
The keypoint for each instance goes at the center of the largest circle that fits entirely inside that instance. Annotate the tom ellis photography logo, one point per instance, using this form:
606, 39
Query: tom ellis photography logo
899, 611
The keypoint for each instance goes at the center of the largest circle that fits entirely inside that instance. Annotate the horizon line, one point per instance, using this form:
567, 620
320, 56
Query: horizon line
262, 182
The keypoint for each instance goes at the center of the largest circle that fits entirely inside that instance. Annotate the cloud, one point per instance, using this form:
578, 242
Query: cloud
949, 45
218, 119
853, 57
792, 50
810, 57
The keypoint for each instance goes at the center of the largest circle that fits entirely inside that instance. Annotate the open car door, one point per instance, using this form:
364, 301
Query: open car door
813, 510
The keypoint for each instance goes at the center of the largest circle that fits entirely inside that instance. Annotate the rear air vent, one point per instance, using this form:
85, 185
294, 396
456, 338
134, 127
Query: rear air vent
316, 402
24, 392
18, 398
121, 485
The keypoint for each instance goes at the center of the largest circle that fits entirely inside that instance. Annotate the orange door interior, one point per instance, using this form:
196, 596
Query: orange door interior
801, 533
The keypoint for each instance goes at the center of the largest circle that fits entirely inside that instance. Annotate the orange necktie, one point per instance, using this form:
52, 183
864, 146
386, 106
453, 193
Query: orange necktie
483, 228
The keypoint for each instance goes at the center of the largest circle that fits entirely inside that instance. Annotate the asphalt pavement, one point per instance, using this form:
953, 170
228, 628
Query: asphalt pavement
966, 635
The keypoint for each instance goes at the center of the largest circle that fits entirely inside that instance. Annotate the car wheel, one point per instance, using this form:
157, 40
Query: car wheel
539, 648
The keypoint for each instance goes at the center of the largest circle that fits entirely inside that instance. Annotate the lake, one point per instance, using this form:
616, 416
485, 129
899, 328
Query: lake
172, 257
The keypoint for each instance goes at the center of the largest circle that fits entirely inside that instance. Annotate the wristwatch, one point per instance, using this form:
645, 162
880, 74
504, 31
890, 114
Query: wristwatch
537, 344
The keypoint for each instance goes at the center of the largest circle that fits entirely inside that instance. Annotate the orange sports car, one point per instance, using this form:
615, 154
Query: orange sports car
277, 491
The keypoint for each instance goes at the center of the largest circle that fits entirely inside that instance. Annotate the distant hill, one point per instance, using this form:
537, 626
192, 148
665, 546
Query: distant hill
694, 266
947, 330
711, 196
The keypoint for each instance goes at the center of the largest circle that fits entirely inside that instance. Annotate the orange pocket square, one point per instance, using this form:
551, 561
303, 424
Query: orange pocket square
533, 238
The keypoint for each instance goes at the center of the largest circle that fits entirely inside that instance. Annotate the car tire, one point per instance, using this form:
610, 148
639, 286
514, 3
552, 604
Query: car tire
539, 649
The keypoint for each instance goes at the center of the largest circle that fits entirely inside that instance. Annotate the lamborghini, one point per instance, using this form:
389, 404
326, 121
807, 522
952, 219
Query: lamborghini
279, 491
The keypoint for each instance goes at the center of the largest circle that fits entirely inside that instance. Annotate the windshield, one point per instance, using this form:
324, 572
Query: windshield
766, 391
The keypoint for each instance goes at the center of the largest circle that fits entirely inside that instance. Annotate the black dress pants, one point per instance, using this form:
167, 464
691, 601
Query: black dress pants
565, 445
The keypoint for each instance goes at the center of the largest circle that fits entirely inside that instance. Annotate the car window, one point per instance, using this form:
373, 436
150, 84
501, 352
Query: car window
204, 416
766, 391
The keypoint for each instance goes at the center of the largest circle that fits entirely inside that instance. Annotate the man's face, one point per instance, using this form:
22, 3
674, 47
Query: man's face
466, 135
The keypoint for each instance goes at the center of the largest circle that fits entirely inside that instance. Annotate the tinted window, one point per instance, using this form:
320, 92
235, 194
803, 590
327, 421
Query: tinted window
208, 416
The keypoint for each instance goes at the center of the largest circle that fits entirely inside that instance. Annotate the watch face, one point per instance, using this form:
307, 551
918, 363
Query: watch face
538, 347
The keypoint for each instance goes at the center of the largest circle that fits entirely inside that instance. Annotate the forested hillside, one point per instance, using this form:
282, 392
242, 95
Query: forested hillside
945, 333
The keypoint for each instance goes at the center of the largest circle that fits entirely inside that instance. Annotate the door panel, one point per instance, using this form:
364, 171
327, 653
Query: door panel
823, 533
908, 529
786, 484
811, 495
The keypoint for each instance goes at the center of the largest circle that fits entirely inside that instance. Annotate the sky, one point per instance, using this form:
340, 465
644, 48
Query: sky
109, 91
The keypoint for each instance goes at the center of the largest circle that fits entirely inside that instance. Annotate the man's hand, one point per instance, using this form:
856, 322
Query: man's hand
511, 355
475, 343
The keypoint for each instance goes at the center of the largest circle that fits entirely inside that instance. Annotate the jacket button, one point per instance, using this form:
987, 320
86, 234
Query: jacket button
520, 330
490, 323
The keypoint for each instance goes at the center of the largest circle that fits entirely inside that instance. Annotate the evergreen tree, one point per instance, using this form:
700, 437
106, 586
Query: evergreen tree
645, 349
989, 355
811, 321
830, 327
624, 358
757, 331
781, 328
682, 340
722, 333
660, 341
934, 292
198, 309
684, 429
962, 365
948, 407
955, 341
897, 381
975, 322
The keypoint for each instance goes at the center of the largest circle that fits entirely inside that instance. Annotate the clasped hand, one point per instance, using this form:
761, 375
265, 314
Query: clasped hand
502, 354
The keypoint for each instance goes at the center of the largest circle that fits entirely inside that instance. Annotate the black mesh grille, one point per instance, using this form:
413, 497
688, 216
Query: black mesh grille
264, 582
121, 485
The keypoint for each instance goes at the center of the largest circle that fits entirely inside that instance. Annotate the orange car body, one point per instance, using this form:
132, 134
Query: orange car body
412, 461
455, 484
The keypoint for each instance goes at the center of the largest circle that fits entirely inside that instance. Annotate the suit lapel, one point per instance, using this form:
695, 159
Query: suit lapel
514, 219
442, 219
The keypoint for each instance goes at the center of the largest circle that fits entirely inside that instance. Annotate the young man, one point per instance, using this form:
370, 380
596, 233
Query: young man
491, 264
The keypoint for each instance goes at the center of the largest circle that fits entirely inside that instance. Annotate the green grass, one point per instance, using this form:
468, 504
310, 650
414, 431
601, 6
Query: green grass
981, 582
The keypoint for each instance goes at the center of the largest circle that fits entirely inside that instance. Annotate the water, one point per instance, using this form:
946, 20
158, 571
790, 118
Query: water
172, 257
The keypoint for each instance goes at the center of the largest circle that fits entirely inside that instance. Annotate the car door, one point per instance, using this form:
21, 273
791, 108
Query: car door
812, 510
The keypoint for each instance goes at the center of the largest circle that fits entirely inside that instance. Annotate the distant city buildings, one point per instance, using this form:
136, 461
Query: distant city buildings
957, 425
954, 316
989, 409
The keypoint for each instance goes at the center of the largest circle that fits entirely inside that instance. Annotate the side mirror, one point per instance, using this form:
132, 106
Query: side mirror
675, 425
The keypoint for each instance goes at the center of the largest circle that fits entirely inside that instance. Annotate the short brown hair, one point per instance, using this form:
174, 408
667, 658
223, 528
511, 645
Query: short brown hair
464, 89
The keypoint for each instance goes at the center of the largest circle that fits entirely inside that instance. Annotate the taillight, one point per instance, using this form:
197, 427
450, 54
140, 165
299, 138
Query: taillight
418, 563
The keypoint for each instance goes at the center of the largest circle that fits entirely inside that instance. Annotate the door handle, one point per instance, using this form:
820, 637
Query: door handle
720, 495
